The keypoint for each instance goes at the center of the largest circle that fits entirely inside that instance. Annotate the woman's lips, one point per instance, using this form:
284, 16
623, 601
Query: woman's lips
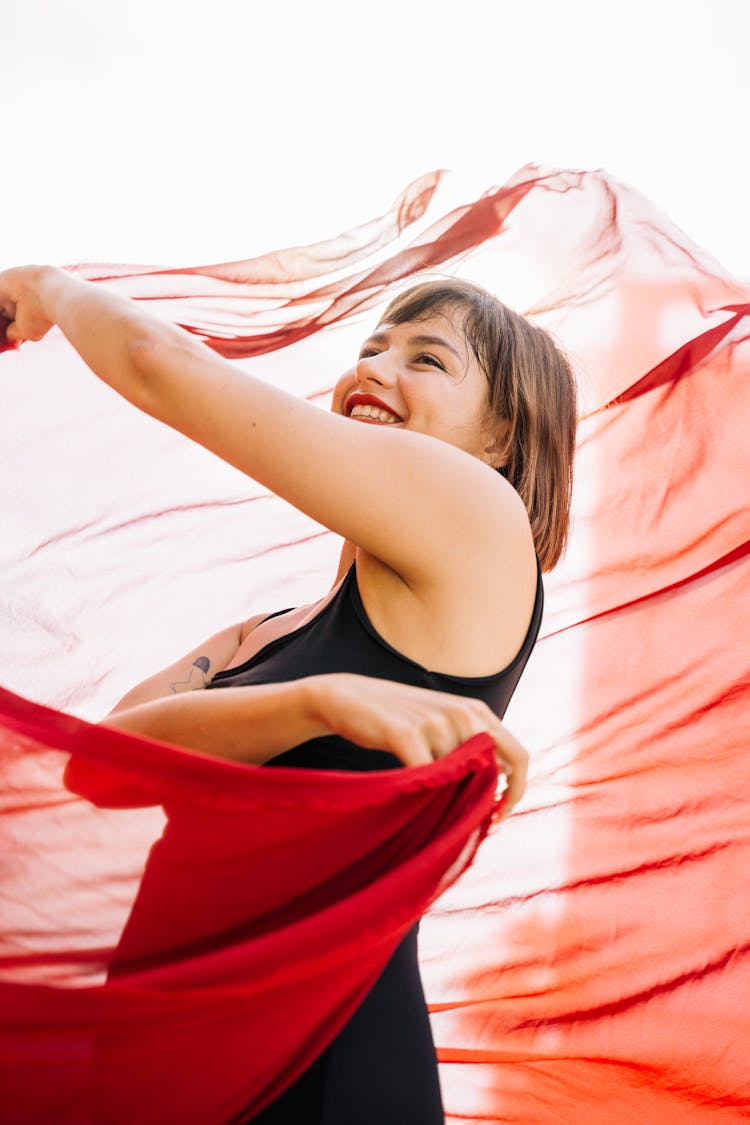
369, 408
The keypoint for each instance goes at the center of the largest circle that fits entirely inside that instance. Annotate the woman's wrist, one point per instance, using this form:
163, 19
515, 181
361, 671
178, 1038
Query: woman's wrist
52, 287
310, 699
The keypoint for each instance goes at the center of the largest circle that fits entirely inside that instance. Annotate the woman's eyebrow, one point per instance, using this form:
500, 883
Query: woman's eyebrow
419, 341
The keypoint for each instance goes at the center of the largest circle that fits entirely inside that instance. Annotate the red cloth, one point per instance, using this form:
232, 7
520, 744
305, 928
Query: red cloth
194, 980
592, 963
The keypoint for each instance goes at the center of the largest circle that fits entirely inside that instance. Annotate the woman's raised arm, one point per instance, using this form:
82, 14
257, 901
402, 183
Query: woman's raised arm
410, 500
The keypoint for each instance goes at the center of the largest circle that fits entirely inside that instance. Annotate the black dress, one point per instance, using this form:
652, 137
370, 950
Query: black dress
381, 1067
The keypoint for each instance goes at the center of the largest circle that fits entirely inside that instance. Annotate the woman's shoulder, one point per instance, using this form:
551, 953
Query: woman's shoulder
470, 619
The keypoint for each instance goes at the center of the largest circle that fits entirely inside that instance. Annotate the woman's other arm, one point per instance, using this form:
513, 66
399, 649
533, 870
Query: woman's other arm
193, 671
189, 673
253, 724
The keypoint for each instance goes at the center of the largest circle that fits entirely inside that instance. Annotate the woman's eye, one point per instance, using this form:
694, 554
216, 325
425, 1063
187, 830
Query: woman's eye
425, 357
366, 353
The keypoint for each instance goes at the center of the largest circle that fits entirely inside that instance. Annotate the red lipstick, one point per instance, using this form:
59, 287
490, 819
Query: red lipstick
358, 398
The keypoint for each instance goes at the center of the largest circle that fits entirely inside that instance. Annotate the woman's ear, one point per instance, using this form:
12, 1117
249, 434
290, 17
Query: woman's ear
496, 452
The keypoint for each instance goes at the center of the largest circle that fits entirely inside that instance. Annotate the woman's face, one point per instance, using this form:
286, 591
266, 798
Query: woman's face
422, 376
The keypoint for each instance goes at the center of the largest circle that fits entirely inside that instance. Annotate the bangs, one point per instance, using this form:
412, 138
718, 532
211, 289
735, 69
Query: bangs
479, 313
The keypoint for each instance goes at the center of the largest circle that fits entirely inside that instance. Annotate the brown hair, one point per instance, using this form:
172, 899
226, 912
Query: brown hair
531, 388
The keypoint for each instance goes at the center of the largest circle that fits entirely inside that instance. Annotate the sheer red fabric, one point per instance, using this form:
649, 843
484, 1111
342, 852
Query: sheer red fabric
193, 980
592, 962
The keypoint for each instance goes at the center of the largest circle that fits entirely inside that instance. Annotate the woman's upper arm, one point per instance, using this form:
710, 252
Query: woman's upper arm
190, 672
410, 500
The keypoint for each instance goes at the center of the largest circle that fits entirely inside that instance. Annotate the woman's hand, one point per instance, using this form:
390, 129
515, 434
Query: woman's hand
416, 725
21, 308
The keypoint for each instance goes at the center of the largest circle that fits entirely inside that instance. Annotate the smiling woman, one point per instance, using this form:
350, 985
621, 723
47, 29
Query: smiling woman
469, 418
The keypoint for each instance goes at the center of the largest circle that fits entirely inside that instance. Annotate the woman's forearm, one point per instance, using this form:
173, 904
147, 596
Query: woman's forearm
172, 376
112, 334
243, 724
253, 724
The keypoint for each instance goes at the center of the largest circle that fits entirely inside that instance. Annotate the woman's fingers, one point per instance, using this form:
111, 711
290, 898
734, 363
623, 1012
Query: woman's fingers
421, 735
451, 724
23, 317
7, 316
411, 747
12, 334
6, 341
443, 723
514, 761
28, 325
417, 725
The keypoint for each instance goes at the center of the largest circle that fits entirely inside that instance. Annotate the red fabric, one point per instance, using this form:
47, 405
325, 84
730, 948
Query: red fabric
592, 963
194, 980
4, 322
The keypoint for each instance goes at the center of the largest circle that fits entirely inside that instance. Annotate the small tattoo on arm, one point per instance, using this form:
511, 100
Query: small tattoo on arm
197, 679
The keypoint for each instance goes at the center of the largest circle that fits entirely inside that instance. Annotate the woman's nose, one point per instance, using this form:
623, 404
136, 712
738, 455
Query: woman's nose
375, 369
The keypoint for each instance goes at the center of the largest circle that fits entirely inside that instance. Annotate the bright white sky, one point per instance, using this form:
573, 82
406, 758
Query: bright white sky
190, 131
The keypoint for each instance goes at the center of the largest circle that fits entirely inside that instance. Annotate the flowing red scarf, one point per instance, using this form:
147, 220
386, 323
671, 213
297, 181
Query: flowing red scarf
181, 936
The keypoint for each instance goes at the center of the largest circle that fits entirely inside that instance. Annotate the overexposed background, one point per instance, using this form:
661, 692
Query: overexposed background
184, 132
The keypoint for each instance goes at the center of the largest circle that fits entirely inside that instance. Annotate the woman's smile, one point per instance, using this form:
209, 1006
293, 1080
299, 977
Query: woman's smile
369, 408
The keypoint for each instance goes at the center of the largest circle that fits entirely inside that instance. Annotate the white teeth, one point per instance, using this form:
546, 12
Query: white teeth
374, 412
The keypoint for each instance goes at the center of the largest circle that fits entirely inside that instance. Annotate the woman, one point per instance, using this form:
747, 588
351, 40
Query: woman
486, 408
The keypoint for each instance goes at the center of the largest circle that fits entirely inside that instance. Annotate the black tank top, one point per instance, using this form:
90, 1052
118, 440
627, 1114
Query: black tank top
341, 639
